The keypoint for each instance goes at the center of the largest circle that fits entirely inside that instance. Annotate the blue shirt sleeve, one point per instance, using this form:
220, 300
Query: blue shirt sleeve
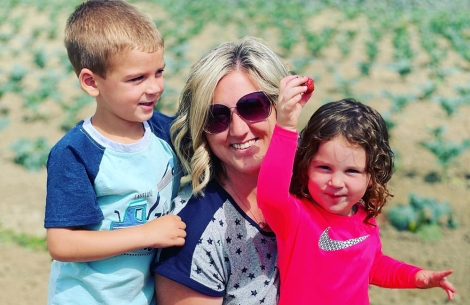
72, 167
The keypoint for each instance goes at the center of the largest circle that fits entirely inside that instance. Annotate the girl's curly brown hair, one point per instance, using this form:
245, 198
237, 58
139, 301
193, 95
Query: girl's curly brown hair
360, 125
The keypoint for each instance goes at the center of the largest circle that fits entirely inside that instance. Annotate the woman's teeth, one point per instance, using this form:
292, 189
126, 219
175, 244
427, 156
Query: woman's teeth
244, 145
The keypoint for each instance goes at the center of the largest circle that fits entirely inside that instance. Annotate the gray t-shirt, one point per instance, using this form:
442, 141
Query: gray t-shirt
225, 254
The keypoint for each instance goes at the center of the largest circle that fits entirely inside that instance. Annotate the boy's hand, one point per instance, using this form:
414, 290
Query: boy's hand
166, 231
429, 279
294, 92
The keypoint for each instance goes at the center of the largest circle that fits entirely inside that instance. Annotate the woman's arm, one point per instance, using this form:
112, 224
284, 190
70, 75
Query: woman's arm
169, 292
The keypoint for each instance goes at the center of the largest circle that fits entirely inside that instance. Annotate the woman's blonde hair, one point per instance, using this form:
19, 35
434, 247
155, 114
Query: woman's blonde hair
98, 30
249, 55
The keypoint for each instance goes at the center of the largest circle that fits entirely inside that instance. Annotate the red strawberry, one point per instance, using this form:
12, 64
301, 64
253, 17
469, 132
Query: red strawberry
310, 85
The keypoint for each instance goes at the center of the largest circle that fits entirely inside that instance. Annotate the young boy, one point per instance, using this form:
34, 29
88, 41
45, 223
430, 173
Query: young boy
112, 176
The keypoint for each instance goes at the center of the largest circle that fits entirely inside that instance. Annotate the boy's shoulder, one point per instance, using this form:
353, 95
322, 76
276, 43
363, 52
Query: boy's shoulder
76, 143
160, 124
72, 136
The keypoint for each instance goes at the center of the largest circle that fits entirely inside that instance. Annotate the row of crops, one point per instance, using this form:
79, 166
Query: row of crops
422, 33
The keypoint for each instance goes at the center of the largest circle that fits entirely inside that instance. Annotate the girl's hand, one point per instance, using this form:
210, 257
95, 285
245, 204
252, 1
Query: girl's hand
292, 98
429, 279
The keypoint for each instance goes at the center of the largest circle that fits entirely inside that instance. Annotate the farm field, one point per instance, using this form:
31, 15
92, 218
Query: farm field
408, 59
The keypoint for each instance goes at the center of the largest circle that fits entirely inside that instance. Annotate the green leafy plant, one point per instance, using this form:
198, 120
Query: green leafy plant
316, 42
22, 239
445, 152
424, 216
401, 41
344, 85
40, 58
15, 78
4, 120
364, 67
399, 102
72, 109
450, 105
427, 90
32, 154
402, 66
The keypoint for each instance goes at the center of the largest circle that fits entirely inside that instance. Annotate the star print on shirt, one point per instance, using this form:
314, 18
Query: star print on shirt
224, 261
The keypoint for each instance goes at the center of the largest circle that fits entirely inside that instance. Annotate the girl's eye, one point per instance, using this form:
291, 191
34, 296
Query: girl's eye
323, 167
354, 171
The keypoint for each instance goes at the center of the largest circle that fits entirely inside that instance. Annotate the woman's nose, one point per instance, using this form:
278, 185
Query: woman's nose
237, 124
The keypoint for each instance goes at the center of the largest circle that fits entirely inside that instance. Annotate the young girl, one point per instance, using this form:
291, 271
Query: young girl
328, 239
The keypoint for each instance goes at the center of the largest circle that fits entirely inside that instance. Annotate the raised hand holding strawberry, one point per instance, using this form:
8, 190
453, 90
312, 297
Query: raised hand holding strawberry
310, 85
292, 99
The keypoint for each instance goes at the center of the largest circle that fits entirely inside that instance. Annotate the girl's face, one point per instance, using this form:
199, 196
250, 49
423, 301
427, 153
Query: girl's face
242, 147
337, 176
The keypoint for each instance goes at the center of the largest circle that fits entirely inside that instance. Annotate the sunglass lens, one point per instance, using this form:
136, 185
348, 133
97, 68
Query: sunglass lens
219, 118
254, 107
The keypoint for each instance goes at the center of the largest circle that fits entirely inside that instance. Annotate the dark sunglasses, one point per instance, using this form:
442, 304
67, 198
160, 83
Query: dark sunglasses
253, 107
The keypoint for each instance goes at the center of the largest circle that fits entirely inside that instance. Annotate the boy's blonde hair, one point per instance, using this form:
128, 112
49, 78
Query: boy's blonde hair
98, 30
249, 55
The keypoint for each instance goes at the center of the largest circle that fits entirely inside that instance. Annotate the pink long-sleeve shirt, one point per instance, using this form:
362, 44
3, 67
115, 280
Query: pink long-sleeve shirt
324, 258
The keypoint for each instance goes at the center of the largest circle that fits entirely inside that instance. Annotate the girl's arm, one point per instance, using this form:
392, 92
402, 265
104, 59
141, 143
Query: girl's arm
77, 245
276, 170
274, 180
390, 273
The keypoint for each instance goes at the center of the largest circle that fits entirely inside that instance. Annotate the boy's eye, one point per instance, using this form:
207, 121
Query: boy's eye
354, 171
136, 79
159, 72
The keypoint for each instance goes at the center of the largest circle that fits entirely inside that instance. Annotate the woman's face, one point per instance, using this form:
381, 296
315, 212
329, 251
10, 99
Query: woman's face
242, 147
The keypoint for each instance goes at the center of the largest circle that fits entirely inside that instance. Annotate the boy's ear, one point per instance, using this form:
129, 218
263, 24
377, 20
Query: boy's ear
88, 83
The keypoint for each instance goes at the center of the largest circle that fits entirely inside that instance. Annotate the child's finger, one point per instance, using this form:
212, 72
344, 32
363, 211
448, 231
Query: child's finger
450, 295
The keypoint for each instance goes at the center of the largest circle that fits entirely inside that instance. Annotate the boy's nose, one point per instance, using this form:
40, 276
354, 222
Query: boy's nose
155, 86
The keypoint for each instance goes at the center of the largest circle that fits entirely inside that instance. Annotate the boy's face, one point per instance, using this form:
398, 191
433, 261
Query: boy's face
132, 87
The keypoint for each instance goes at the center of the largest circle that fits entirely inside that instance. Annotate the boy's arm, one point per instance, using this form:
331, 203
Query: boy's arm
77, 245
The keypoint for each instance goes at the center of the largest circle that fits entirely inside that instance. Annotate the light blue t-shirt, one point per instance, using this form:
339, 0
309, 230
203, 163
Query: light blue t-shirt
97, 184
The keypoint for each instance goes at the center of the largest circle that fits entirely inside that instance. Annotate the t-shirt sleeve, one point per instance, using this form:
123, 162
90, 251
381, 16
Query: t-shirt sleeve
390, 273
274, 181
72, 167
160, 124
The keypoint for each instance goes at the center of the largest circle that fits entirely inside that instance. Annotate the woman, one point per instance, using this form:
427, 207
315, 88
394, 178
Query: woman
222, 131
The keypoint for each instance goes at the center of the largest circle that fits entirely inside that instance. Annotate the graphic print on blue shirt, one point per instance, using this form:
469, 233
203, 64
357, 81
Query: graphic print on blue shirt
136, 212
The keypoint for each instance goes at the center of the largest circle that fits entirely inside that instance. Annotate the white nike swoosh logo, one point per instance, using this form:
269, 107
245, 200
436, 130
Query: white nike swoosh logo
327, 244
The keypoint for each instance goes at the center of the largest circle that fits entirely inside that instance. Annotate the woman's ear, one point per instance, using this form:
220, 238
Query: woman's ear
88, 82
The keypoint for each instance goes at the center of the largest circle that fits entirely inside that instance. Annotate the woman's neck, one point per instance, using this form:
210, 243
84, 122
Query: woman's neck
243, 190
243, 184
